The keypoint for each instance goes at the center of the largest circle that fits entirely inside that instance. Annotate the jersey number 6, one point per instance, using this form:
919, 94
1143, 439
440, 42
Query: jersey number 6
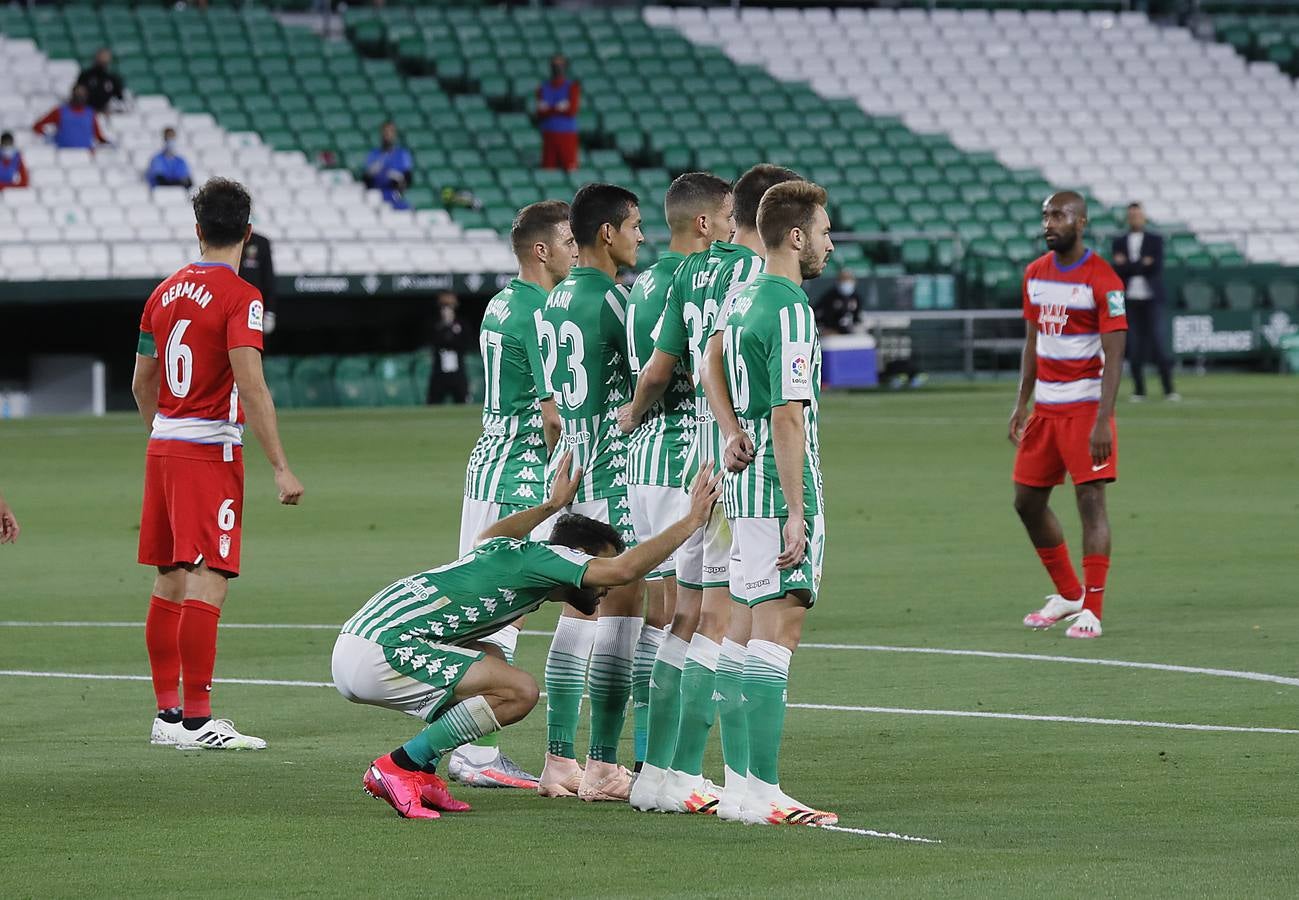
179, 361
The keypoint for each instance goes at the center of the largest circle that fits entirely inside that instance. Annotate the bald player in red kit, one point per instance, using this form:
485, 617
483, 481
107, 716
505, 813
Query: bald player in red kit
198, 369
1072, 364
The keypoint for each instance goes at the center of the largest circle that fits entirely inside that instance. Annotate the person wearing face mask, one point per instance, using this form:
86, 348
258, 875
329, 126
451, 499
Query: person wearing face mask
557, 103
448, 382
73, 125
168, 168
101, 83
839, 309
13, 171
388, 168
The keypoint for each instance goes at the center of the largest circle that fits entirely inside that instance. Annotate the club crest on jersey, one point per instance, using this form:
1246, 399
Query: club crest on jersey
1115, 301
223, 545
255, 315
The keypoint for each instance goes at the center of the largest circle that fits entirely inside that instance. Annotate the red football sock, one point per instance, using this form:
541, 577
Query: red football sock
1060, 567
1095, 570
198, 637
162, 638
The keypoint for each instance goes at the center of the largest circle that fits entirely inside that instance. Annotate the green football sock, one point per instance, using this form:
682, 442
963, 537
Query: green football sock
766, 678
565, 681
729, 691
462, 723
642, 667
609, 683
698, 708
665, 702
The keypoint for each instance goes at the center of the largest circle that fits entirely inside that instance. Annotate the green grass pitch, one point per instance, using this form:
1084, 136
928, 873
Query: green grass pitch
924, 551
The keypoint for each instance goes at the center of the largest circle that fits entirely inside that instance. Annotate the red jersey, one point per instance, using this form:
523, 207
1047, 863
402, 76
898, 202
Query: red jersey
1072, 307
192, 321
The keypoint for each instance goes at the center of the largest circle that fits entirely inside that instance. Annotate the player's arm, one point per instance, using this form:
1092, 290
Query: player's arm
552, 426
788, 442
1027, 369
640, 560
1102, 440
259, 409
144, 383
738, 448
562, 492
8, 523
651, 384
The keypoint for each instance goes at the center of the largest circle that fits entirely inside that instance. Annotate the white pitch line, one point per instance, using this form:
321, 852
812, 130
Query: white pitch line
809, 645
830, 707
870, 832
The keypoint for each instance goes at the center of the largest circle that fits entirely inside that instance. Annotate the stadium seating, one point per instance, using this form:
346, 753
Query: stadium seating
92, 216
1210, 144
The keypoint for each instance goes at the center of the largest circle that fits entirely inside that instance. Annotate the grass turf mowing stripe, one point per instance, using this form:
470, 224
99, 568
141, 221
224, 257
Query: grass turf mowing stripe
809, 645
830, 707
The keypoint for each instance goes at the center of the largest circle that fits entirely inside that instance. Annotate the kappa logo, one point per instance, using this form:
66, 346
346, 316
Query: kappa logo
470, 613
796, 576
718, 698
754, 585
223, 546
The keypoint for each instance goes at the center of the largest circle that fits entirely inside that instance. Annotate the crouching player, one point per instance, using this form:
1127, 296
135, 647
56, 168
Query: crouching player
416, 645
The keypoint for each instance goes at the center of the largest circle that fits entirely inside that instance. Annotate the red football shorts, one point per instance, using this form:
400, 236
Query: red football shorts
193, 512
559, 150
1053, 445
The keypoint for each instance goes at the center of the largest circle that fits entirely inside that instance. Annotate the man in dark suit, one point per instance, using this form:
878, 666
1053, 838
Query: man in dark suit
1138, 258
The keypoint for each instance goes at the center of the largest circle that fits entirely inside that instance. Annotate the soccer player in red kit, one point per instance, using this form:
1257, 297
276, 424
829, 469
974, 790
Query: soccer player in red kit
198, 368
1072, 364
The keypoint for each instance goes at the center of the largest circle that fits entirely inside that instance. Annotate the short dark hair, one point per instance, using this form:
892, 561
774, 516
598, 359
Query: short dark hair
750, 187
693, 193
787, 206
585, 534
7, 136
597, 204
1134, 205
536, 222
222, 208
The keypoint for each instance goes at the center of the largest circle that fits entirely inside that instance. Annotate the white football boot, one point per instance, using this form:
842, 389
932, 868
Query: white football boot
1056, 608
165, 734
217, 734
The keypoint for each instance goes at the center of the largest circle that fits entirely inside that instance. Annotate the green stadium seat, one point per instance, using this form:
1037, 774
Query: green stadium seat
313, 381
355, 383
1199, 296
1283, 295
1240, 295
396, 383
278, 373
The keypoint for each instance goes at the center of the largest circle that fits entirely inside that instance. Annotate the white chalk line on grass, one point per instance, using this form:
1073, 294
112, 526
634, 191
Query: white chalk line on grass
870, 832
824, 707
809, 645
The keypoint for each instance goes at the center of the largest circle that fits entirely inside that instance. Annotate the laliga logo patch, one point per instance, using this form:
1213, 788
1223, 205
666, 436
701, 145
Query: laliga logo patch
798, 368
223, 545
255, 315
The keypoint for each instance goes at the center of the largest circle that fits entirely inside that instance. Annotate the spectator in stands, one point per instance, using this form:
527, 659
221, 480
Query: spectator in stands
102, 84
839, 309
74, 124
389, 166
258, 269
1139, 261
557, 103
448, 382
168, 168
13, 171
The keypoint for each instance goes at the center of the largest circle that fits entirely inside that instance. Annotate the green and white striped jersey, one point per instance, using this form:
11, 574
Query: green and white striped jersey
773, 357
476, 595
583, 330
698, 291
508, 463
659, 448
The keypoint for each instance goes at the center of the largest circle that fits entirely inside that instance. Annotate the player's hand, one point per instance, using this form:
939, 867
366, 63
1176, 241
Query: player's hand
8, 524
738, 452
1120, 259
704, 493
566, 483
627, 423
1102, 443
290, 488
1018, 421
795, 540
1147, 260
